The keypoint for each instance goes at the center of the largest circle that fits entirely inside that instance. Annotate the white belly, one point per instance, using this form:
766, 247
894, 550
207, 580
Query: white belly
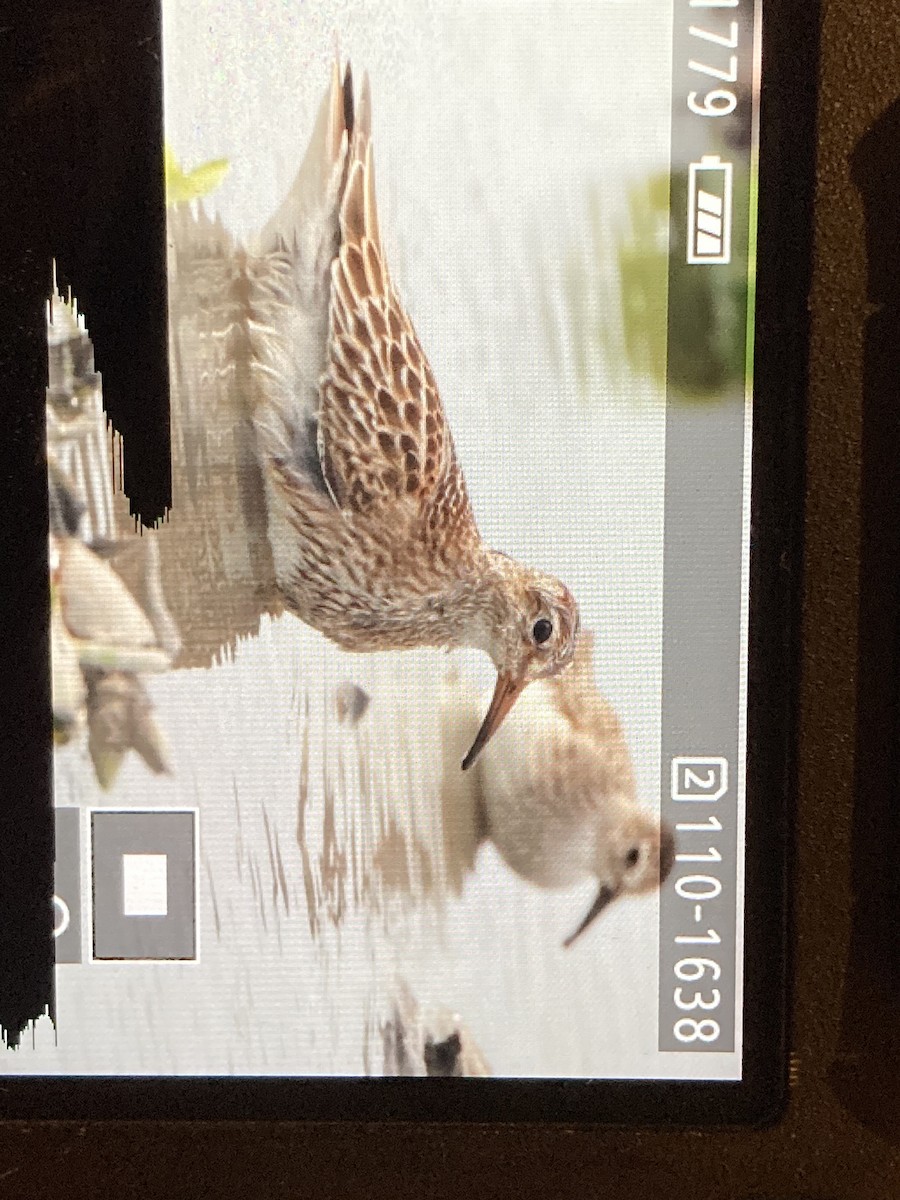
543, 829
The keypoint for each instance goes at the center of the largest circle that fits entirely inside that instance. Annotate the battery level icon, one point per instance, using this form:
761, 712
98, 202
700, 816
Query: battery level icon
710, 186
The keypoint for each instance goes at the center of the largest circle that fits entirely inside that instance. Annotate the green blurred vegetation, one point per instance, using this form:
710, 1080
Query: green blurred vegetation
617, 296
184, 186
707, 306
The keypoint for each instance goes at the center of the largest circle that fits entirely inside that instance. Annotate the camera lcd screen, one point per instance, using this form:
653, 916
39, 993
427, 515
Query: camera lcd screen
412, 741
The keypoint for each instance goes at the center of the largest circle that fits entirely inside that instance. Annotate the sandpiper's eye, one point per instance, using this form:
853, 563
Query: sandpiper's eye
631, 858
542, 630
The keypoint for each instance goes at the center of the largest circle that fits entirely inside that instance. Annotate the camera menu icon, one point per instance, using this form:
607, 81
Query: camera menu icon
144, 885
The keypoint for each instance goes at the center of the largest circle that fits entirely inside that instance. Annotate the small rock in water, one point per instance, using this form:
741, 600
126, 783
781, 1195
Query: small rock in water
351, 702
428, 1041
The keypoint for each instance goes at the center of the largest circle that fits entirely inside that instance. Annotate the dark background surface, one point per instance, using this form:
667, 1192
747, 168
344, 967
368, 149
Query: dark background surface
840, 1138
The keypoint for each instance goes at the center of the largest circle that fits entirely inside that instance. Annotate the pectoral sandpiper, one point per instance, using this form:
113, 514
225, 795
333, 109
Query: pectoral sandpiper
558, 795
373, 536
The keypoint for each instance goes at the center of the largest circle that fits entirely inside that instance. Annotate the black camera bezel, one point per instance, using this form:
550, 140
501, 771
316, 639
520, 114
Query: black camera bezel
790, 39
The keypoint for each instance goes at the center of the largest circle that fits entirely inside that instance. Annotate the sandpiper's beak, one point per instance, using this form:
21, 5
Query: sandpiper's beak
604, 896
505, 695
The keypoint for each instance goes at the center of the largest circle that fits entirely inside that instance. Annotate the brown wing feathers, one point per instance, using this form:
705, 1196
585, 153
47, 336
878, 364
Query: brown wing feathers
383, 436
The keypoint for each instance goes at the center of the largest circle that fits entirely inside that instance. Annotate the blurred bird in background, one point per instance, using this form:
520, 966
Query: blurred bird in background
556, 794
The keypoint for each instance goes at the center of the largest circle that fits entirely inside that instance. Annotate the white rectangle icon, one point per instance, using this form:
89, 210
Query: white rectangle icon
145, 885
710, 186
